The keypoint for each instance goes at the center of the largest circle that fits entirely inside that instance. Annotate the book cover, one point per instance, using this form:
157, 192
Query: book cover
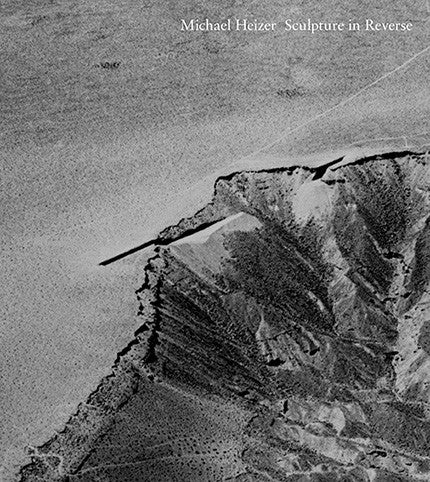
215, 241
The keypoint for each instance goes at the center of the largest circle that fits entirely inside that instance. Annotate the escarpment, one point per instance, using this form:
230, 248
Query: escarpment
284, 337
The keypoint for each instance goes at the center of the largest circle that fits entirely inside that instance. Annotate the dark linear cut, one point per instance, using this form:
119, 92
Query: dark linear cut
158, 242
319, 173
124, 254
321, 170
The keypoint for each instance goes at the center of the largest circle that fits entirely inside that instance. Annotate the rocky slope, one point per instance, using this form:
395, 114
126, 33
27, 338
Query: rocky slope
284, 337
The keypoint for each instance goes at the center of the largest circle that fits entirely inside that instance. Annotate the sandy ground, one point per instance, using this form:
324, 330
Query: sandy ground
96, 161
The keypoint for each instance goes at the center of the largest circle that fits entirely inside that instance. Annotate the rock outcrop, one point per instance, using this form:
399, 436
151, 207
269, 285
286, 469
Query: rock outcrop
285, 337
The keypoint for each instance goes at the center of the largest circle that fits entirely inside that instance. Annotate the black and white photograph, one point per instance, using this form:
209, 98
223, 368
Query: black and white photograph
215, 241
